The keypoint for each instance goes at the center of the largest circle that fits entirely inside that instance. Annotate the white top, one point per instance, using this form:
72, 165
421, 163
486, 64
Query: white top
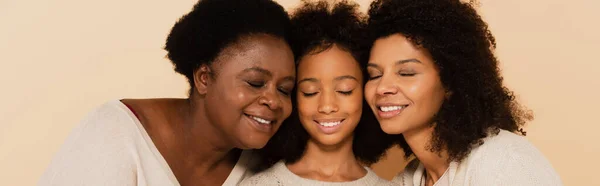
280, 175
111, 147
420, 175
503, 159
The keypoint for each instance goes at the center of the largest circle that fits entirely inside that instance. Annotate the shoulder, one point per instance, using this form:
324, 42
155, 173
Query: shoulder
110, 122
243, 168
405, 177
271, 176
511, 158
373, 179
99, 148
505, 145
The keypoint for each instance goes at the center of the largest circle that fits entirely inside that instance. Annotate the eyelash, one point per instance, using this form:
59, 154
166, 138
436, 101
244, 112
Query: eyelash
406, 74
309, 94
262, 84
282, 91
345, 92
374, 77
315, 93
256, 84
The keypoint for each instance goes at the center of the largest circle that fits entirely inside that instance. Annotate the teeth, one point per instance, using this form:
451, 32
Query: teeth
330, 124
260, 120
390, 108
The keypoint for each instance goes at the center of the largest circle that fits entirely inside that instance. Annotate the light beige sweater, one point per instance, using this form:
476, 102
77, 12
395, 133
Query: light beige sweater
505, 159
280, 175
111, 147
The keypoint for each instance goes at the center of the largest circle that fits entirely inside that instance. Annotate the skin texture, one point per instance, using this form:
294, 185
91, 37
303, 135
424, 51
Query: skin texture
197, 136
330, 44
329, 90
401, 74
460, 46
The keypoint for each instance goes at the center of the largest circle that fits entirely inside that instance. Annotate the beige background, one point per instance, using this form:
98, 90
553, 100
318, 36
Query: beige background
61, 58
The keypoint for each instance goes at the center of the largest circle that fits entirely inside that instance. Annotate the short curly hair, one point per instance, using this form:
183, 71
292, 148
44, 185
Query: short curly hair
462, 47
317, 27
201, 35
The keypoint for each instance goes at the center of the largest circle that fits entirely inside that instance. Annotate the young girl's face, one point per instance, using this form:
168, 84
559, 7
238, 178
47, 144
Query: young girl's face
330, 95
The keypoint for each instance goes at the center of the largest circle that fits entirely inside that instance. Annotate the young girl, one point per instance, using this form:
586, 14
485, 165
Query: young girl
331, 138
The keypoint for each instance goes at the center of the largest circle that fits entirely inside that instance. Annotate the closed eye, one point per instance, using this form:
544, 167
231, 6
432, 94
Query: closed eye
345, 92
407, 74
284, 91
311, 94
256, 84
374, 77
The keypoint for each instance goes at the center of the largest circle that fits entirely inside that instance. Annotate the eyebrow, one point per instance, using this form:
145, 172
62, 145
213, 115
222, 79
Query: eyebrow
268, 73
259, 70
339, 78
314, 80
345, 77
408, 61
412, 60
289, 78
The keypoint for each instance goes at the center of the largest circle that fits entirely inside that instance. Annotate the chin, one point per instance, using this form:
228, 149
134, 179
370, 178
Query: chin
391, 128
253, 143
329, 140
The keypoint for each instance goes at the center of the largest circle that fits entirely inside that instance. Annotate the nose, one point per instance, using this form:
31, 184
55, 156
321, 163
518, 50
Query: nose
386, 86
270, 99
327, 103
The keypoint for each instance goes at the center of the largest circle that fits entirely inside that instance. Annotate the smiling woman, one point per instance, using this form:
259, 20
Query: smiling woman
240, 68
434, 79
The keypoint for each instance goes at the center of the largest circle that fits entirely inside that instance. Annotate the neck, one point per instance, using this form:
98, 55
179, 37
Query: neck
435, 163
204, 143
328, 160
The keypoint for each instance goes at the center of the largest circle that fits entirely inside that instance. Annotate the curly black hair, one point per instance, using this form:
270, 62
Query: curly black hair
201, 35
316, 27
462, 48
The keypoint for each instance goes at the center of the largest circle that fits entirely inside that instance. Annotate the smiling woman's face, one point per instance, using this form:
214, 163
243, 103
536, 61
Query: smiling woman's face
330, 95
247, 96
404, 88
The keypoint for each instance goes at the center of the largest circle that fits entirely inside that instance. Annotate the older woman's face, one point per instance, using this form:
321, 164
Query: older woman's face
404, 88
248, 96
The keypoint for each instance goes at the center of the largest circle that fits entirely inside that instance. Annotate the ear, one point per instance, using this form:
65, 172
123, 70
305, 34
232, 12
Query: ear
448, 94
202, 79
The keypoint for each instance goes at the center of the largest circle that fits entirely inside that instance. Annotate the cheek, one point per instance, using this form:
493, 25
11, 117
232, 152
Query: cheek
287, 106
428, 94
243, 96
306, 107
369, 93
353, 103
438, 94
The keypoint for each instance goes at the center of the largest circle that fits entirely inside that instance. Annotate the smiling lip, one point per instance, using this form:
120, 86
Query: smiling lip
260, 123
387, 111
329, 126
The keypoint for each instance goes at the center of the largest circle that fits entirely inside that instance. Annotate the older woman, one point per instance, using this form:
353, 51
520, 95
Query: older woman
240, 68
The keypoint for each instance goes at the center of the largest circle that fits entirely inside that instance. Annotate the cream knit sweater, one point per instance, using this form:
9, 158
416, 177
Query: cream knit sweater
280, 175
111, 147
505, 159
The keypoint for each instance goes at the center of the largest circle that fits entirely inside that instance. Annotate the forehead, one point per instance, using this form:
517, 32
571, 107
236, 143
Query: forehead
261, 50
388, 50
331, 62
